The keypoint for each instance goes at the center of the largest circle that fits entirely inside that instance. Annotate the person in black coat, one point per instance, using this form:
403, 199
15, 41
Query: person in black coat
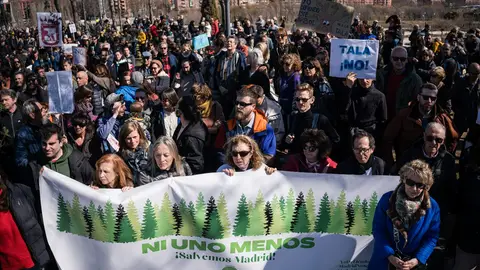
191, 134
363, 162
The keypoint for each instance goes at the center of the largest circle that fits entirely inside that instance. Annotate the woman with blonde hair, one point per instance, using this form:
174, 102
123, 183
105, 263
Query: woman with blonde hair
168, 163
406, 224
242, 154
135, 148
112, 172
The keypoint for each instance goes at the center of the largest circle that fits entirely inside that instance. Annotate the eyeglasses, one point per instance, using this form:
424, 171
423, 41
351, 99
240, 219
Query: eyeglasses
361, 150
396, 59
302, 99
434, 139
425, 97
412, 183
242, 104
241, 153
310, 148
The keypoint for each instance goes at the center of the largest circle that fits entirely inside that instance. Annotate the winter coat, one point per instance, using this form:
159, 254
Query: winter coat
422, 235
22, 207
191, 143
161, 175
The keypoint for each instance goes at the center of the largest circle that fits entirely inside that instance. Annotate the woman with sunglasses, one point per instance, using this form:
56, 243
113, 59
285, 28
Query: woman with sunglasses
406, 224
242, 154
314, 158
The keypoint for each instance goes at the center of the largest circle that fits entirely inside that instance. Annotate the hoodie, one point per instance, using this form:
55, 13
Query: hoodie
61, 165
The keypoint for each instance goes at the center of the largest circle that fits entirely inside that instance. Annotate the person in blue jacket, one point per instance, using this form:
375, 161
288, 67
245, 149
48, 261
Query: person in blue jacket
406, 224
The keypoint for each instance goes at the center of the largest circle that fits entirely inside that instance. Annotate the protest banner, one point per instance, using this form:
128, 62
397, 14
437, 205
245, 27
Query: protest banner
60, 92
354, 55
200, 41
79, 56
325, 17
49, 29
73, 28
213, 221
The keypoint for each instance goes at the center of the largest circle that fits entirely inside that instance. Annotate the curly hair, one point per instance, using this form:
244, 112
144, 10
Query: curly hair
419, 168
256, 160
292, 59
124, 175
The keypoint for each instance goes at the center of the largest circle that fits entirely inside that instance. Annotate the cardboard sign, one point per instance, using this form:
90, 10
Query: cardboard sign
73, 28
60, 92
200, 41
325, 17
353, 55
79, 56
49, 29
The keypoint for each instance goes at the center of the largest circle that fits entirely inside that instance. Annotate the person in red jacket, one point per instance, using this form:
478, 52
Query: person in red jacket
314, 158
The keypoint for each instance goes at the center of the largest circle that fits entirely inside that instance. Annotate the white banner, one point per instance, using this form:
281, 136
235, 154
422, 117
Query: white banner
49, 29
354, 55
212, 221
60, 92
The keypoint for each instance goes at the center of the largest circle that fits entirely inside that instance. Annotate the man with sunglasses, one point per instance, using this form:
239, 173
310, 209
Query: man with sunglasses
410, 123
399, 82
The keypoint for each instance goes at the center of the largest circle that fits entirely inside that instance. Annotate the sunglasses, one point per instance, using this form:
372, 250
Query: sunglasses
396, 59
412, 183
242, 104
425, 97
310, 148
302, 99
435, 140
241, 153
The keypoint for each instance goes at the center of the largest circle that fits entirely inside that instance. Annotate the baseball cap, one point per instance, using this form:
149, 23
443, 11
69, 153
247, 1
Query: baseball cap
112, 98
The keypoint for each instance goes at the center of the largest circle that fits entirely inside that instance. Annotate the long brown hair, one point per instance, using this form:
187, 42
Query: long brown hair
124, 175
256, 160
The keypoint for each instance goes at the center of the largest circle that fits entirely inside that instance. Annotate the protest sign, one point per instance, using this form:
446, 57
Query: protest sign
60, 92
200, 41
354, 55
79, 56
73, 28
213, 221
49, 29
325, 17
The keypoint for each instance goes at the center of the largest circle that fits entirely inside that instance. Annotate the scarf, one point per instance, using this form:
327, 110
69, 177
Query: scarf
403, 212
205, 108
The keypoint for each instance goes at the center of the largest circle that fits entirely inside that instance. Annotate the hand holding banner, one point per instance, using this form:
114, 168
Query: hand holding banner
353, 55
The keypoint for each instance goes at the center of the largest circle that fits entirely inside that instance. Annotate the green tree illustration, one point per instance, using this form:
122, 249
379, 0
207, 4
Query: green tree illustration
256, 224
213, 227
277, 226
121, 214
241, 218
310, 208
127, 234
63, 216
109, 221
99, 232
350, 212
324, 215
372, 205
88, 221
78, 225
149, 223
165, 220
200, 214
359, 225
268, 217
282, 207
197, 230
132, 214
300, 222
339, 215
223, 213
289, 210
101, 214
177, 219
188, 226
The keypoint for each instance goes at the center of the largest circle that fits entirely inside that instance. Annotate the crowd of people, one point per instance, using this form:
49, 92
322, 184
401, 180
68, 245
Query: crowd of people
149, 106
